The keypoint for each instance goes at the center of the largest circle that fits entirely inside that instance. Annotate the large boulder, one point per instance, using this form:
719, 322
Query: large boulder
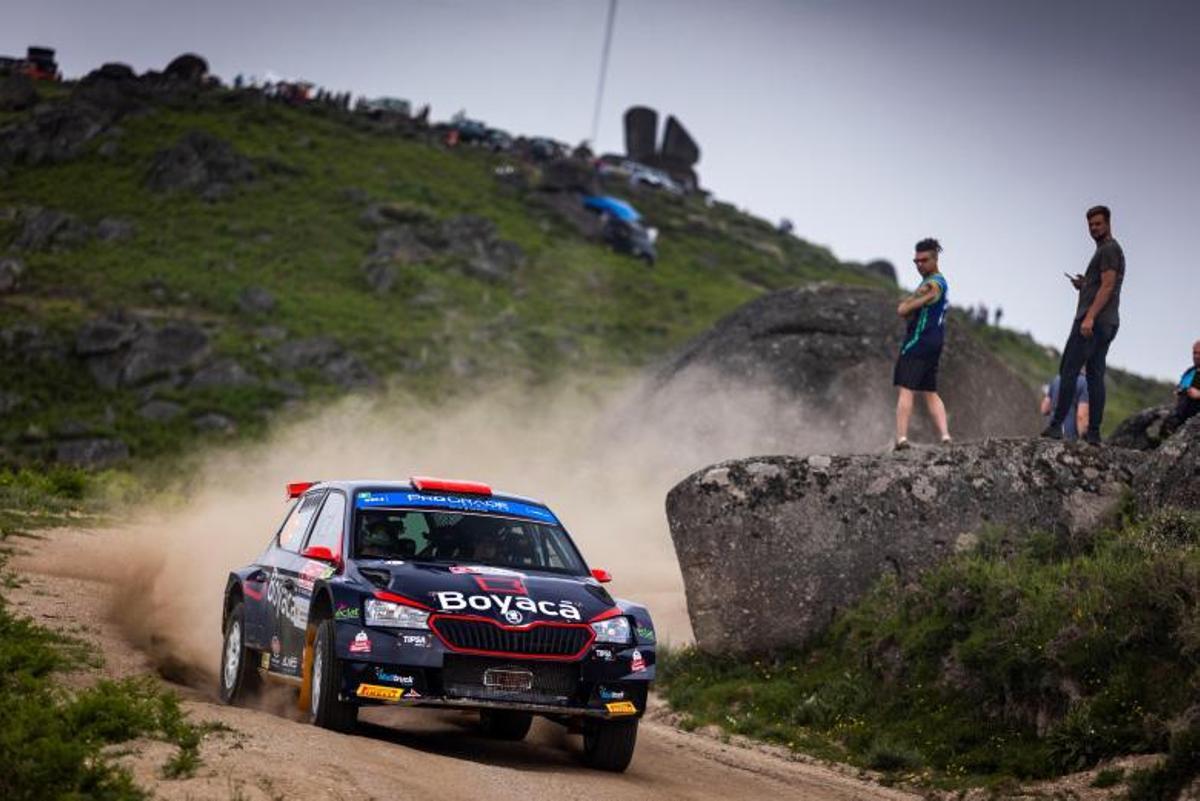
327, 358
827, 352
1171, 475
52, 133
187, 67
11, 271
1142, 431
91, 453
202, 163
49, 229
771, 548
120, 351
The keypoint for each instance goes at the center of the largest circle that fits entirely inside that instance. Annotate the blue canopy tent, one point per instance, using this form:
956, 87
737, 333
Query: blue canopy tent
607, 204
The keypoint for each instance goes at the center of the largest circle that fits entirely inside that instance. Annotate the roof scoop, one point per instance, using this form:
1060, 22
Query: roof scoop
428, 484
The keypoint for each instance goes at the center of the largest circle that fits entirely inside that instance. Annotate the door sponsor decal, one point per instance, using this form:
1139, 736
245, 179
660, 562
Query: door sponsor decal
361, 644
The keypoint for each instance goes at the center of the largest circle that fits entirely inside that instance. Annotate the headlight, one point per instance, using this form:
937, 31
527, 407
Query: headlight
615, 629
386, 613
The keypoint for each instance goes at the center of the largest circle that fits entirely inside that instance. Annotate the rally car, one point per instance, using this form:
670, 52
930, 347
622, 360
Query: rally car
438, 593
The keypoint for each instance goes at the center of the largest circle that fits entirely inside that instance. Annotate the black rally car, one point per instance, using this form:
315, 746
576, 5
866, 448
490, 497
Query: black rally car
438, 593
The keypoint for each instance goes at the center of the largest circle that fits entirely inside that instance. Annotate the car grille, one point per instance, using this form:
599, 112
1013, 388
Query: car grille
499, 680
539, 642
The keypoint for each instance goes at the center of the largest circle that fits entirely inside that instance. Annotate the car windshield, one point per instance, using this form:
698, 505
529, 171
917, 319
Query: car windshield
455, 538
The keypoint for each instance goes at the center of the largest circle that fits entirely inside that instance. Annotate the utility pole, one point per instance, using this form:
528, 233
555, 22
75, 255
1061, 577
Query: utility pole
608, 33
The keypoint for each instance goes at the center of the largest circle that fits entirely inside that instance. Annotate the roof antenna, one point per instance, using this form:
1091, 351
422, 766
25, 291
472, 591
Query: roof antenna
608, 32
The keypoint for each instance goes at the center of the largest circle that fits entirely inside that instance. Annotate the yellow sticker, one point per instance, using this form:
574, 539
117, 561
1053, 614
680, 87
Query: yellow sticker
266, 660
382, 693
621, 708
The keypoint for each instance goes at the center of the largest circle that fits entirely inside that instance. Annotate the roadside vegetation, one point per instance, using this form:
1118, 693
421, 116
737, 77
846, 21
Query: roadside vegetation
57, 743
1011, 663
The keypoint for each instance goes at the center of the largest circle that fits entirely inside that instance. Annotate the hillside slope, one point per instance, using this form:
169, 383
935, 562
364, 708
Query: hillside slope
190, 260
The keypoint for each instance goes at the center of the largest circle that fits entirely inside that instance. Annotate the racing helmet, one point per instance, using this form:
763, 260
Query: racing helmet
379, 536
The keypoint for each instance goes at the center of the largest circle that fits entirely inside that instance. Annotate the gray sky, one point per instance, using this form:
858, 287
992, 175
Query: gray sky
870, 123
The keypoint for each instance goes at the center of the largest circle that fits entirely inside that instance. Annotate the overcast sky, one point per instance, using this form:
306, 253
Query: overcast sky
869, 123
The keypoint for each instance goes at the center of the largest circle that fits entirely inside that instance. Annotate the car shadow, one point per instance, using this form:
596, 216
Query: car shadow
457, 735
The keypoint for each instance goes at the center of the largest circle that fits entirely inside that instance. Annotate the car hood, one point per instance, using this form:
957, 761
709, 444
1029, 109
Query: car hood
508, 596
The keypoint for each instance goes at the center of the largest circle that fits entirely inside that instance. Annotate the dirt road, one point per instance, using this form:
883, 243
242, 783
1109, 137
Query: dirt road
397, 754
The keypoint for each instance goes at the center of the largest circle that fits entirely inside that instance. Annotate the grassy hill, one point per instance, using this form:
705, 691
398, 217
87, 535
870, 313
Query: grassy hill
301, 233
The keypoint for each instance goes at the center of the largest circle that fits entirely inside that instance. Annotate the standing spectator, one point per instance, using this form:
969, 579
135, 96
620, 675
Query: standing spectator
917, 366
1096, 321
999, 315
1187, 395
1078, 419
983, 314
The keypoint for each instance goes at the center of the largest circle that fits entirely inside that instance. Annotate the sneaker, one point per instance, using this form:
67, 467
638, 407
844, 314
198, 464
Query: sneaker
901, 444
1052, 432
1092, 438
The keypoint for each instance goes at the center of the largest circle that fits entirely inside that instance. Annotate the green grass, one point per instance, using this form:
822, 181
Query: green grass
991, 668
53, 741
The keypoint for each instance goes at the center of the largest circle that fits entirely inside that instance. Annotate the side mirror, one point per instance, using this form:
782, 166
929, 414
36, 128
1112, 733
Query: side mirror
601, 575
320, 553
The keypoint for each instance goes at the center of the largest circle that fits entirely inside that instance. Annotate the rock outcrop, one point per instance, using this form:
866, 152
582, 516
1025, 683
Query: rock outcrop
1171, 475
124, 352
1142, 431
771, 548
202, 163
831, 349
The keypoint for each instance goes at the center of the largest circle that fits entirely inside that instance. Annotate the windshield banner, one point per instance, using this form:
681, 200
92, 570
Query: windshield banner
457, 503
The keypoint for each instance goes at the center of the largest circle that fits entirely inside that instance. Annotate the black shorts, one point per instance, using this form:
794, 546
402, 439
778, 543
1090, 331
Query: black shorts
918, 373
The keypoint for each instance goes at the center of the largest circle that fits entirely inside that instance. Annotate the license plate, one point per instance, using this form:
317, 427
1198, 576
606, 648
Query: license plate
508, 679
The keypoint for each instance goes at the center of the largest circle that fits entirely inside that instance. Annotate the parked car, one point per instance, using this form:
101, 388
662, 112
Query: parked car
470, 131
380, 106
622, 227
497, 140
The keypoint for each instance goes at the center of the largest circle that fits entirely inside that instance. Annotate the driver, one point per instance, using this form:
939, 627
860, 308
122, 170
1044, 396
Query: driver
378, 538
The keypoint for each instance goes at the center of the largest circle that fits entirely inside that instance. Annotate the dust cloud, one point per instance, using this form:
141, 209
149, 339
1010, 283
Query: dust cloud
603, 459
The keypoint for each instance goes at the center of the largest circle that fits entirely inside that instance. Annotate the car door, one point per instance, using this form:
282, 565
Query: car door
287, 611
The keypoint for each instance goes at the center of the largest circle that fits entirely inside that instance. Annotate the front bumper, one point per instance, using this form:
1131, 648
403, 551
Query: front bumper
405, 668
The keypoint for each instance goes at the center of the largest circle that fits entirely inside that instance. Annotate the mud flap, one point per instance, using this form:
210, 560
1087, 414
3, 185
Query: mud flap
306, 661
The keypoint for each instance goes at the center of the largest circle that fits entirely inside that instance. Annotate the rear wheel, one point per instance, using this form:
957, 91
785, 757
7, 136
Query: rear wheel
325, 708
504, 724
239, 673
609, 745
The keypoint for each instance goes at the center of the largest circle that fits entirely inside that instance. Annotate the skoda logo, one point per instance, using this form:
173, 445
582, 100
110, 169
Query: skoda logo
513, 616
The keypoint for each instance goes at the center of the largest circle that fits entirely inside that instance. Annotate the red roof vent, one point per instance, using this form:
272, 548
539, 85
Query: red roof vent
427, 484
298, 488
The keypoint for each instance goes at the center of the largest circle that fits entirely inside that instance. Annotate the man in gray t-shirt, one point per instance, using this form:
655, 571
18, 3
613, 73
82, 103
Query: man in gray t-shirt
1097, 318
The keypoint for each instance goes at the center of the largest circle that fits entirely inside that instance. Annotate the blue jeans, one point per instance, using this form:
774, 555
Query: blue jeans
1082, 351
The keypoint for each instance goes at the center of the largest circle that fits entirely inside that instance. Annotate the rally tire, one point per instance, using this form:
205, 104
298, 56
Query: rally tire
238, 676
325, 709
609, 745
504, 724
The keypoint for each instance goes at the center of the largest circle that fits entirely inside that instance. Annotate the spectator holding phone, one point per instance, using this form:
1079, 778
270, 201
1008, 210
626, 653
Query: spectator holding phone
1096, 321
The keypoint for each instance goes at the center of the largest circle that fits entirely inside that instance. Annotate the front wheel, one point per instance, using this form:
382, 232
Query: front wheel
504, 724
325, 709
239, 673
609, 745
